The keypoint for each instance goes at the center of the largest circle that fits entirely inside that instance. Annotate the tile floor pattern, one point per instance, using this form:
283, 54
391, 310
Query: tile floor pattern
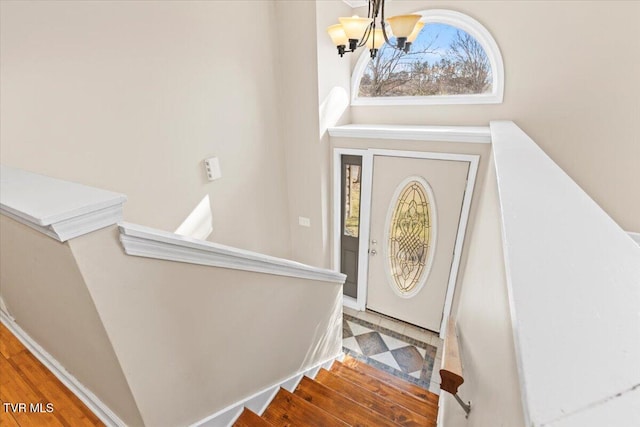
388, 350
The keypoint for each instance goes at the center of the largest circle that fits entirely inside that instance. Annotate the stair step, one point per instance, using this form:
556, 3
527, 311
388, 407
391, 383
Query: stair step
339, 405
409, 401
386, 377
250, 419
287, 409
385, 408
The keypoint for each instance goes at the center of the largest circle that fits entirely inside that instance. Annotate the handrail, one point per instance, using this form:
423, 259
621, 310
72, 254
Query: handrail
451, 368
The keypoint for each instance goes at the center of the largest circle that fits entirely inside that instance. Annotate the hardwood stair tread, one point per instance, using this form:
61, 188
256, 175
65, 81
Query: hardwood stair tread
287, 409
374, 385
375, 402
388, 378
339, 405
249, 418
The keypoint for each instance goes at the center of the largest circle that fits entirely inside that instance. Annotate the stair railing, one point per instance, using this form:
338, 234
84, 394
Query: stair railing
451, 368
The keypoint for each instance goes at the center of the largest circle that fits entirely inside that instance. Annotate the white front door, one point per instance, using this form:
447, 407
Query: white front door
416, 208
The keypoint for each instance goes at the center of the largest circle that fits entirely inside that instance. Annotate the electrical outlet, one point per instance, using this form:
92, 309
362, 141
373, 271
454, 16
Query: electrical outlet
303, 221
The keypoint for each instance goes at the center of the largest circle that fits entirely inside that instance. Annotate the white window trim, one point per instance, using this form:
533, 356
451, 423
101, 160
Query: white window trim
458, 20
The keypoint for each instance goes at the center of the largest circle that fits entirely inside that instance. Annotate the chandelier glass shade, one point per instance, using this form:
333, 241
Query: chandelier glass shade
373, 31
376, 40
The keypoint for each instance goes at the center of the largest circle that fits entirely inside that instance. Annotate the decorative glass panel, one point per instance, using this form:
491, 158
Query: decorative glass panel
410, 237
352, 200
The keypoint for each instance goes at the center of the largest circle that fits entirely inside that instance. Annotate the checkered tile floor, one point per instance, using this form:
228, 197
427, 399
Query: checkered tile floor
388, 350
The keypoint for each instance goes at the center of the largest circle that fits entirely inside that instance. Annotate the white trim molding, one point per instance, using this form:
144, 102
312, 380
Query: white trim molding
351, 303
259, 401
365, 216
4, 310
354, 4
358, 303
454, 19
474, 134
148, 242
102, 411
634, 236
474, 161
60, 209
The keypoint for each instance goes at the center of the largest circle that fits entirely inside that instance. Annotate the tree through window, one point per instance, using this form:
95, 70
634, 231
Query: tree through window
454, 60
444, 60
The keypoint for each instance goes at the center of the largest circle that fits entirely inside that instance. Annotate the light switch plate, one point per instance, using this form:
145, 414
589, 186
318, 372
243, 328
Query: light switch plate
303, 221
212, 168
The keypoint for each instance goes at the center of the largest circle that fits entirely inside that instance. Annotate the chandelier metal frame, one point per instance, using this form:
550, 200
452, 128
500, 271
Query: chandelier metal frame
376, 13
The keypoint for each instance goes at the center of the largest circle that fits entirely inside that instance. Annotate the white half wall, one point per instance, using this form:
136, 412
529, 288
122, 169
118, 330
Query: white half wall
182, 330
572, 275
44, 291
195, 339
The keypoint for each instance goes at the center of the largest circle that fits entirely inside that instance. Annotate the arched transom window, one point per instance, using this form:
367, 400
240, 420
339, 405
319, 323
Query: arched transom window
454, 60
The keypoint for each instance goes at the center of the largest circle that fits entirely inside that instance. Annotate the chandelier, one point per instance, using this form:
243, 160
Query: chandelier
372, 31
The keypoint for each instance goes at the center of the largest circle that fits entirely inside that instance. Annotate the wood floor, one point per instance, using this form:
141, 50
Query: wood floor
351, 393
23, 379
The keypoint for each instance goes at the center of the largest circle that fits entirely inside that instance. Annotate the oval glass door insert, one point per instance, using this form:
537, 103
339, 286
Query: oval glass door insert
411, 236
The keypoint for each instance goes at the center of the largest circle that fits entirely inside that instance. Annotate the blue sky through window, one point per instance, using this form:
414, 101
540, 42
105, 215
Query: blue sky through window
443, 60
443, 35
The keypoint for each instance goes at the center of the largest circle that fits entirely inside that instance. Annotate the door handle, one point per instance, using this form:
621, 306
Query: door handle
373, 252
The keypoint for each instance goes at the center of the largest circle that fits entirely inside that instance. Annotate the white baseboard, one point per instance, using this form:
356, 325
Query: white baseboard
4, 310
259, 401
92, 401
440, 416
634, 236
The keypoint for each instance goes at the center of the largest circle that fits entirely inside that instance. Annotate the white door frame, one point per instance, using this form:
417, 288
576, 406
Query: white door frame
365, 205
365, 217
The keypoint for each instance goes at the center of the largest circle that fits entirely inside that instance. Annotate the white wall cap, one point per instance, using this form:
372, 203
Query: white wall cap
621, 411
60, 209
475, 134
573, 278
152, 243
